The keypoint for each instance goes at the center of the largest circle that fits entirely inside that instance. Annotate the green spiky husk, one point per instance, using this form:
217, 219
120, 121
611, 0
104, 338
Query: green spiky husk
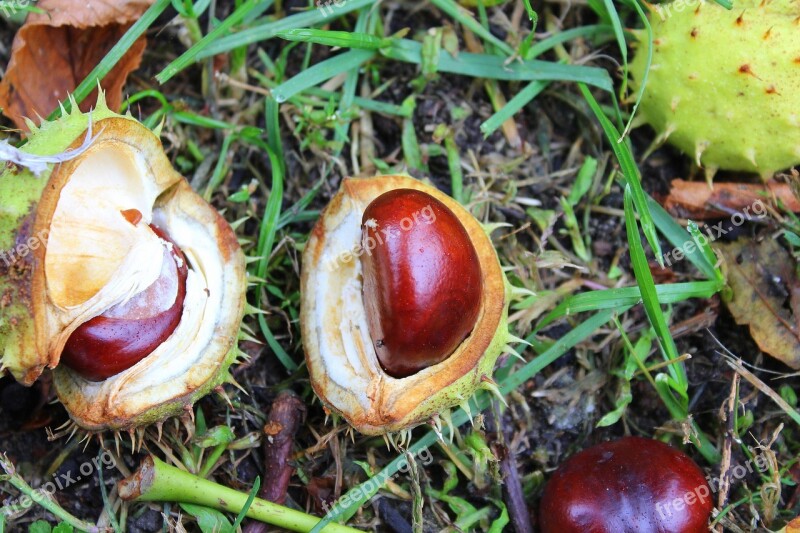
127, 400
723, 83
20, 191
343, 367
69, 393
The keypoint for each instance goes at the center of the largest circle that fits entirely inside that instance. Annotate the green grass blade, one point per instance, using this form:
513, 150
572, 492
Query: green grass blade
652, 307
629, 170
643, 83
565, 36
619, 34
494, 67
520, 100
462, 16
627, 296
350, 87
342, 39
270, 29
322, 71
189, 57
678, 237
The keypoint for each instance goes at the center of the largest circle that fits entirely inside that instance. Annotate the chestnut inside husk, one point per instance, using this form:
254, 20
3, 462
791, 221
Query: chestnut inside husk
121, 237
343, 365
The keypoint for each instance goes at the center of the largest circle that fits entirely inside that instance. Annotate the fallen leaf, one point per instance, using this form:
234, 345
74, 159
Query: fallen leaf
695, 200
765, 295
54, 51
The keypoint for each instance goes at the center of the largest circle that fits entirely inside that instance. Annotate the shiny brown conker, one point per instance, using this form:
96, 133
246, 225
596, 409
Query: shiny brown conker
127, 333
421, 280
631, 485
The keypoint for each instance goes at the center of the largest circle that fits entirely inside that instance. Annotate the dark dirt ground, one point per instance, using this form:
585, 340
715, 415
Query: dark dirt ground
550, 418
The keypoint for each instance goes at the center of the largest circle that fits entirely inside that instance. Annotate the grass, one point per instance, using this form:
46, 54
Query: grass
326, 93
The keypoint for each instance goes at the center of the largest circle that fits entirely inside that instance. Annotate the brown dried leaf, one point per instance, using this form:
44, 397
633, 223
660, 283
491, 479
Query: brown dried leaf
766, 295
53, 52
695, 200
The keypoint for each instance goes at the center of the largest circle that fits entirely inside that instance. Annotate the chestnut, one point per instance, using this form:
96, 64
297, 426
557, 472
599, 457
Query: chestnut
401, 281
632, 485
127, 333
422, 280
127, 275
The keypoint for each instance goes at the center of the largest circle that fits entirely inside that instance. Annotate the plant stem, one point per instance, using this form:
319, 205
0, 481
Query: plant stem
42, 498
156, 481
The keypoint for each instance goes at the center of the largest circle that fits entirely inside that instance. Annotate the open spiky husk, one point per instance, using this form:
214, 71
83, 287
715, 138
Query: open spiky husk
92, 258
341, 359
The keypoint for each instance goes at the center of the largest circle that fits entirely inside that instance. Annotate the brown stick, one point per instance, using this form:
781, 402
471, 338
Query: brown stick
285, 417
695, 200
512, 486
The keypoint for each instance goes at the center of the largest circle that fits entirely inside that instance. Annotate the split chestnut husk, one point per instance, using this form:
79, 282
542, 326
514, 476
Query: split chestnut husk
374, 285
111, 254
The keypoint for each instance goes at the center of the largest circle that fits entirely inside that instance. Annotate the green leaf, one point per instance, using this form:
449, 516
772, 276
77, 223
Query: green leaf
215, 436
209, 520
40, 526
583, 182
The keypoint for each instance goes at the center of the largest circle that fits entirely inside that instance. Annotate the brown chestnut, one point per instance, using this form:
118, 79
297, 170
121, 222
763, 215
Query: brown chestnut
127, 333
421, 280
632, 485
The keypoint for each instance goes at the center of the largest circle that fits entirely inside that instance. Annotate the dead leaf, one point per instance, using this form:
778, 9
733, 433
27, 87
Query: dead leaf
695, 200
53, 52
765, 295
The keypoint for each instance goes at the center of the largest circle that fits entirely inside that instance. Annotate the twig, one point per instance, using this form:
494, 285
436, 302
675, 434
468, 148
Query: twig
512, 486
729, 414
283, 421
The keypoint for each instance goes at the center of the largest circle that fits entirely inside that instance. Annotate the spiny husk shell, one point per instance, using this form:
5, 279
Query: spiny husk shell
340, 356
86, 265
723, 83
23, 352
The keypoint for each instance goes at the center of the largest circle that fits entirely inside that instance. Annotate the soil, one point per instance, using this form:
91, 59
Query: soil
550, 418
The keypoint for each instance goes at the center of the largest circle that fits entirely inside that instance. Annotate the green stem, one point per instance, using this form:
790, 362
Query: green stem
212, 459
42, 498
156, 481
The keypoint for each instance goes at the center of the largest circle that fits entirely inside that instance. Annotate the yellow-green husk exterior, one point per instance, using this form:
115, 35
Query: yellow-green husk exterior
340, 356
89, 257
723, 85
20, 192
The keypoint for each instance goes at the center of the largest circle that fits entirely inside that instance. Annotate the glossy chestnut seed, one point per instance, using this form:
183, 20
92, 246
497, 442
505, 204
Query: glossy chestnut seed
632, 485
421, 280
127, 333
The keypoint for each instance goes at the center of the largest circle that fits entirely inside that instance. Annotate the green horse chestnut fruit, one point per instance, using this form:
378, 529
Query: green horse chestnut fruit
404, 305
115, 267
722, 86
631, 485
